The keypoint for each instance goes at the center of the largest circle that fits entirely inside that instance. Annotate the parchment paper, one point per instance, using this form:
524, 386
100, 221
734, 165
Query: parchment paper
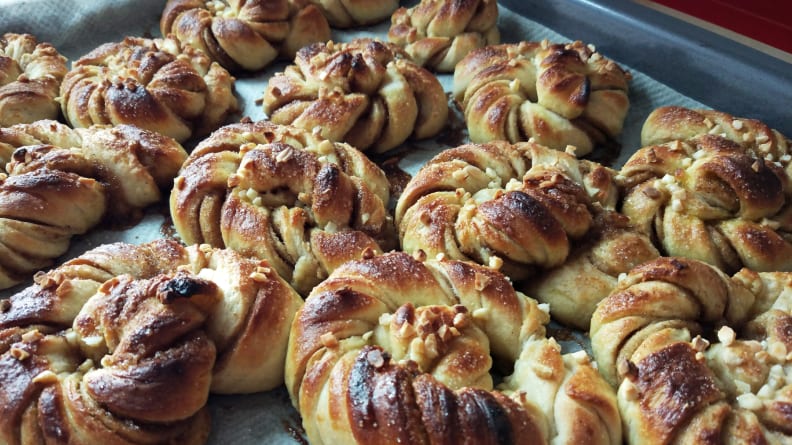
77, 26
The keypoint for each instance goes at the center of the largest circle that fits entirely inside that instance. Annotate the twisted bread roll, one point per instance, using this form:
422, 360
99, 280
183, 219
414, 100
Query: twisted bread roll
52, 192
717, 195
528, 210
146, 349
557, 94
30, 75
364, 92
303, 203
393, 349
439, 33
349, 13
245, 35
156, 84
650, 338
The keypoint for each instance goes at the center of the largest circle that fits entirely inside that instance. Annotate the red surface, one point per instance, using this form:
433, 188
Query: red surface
768, 21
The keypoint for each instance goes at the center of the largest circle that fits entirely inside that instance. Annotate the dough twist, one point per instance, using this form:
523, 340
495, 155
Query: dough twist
303, 203
245, 34
533, 212
156, 84
439, 33
654, 338
365, 92
707, 190
30, 75
53, 192
393, 349
557, 94
143, 350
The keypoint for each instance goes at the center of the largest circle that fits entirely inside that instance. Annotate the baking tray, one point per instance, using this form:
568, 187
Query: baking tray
672, 62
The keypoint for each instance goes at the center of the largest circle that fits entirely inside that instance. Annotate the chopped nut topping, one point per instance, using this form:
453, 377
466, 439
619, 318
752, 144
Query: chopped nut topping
375, 358
5, 306
19, 354
631, 392
700, 344
329, 340
749, 401
726, 335
45, 378
481, 281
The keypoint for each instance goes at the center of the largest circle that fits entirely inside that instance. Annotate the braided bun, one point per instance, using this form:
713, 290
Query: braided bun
156, 84
350, 13
438, 34
364, 92
557, 94
652, 337
707, 190
144, 351
280, 193
245, 35
528, 210
30, 75
53, 192
392, 349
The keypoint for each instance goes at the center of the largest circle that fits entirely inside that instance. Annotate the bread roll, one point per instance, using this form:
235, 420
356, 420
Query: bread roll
30, 76
280, 193
697, 355
132, 360
556, 94
68, 181
394, 349
542, 216
439, 33
245, 35
364, 92
712, 187
156, 84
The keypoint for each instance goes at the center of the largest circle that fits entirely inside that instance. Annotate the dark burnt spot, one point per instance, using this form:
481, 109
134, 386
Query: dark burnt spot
181, 286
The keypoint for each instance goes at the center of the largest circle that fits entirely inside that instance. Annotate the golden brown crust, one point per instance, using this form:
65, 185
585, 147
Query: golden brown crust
63, 182
364, 92
396, 349
155, 84
246, 35
438, 34
678, 381
706, 188
535, 212
30, 76
350, 13
131, 359
268, 190
557, 94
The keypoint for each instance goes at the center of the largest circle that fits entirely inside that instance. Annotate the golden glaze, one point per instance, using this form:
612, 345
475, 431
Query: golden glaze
396, 349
